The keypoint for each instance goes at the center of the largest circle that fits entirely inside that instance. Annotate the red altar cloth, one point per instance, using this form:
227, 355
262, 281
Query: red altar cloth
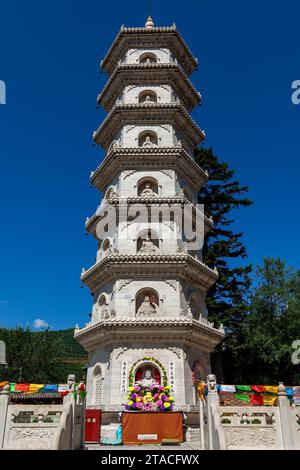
151, 427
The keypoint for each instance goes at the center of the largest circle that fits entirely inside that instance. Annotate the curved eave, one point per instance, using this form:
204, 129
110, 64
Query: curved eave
147, 114
114, 266
91, 223
148, 74
132, 38
186, 331
139, 158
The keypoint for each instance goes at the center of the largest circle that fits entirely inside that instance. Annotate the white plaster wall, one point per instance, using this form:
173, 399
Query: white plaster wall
163, 55
128, 185
164, 93
126, 291
130, 135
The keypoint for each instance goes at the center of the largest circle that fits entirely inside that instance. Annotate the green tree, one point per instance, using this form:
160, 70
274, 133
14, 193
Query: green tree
33, 356
273, 323
220, 197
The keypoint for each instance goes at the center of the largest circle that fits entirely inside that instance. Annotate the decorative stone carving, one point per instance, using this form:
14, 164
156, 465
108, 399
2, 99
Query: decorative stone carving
127, 173
148, 247
123, 282
28, 438
148, 142
147, 191
169, 173
147, 379
172, 284
71, 381
119, 351
176, 351
148, 307
238, 437
211, 383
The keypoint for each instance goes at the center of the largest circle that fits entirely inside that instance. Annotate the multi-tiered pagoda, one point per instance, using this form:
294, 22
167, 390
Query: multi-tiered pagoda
149, 283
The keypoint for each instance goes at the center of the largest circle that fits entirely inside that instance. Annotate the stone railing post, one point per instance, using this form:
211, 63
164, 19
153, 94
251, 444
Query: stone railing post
288, 423
212, 399
4, 402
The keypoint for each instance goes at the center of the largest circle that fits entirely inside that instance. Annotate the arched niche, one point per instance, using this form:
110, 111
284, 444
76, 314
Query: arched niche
97, 379
147, 186
148, 138
102, 306
106, 246
146, 302
140, 372
147, 242
195, 304
148, 96
148, 58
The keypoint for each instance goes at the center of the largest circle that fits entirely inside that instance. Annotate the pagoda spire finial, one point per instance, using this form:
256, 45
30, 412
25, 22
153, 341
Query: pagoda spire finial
149, 23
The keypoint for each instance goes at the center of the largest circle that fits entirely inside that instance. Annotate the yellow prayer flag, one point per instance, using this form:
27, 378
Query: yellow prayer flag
3, 383
271, 389
201, 388
33, 388
269, 400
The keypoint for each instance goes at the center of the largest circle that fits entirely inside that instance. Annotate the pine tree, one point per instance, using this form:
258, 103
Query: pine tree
220, 196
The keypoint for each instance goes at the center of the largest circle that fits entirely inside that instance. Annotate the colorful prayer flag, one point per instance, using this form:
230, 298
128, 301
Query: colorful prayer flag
244, 388
257, 388
256, 400
269, 400
271, 389
243, 397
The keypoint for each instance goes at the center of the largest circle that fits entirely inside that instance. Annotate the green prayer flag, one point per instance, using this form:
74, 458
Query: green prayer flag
244, 388
242, 397
12, 387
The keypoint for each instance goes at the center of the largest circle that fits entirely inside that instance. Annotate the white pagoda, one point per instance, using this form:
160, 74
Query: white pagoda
149, 283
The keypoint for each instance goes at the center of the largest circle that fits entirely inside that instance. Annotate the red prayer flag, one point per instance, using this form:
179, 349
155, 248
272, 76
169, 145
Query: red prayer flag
256, 400
257, 388
22, 387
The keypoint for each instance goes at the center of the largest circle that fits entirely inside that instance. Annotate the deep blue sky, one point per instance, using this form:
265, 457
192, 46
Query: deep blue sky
249, 55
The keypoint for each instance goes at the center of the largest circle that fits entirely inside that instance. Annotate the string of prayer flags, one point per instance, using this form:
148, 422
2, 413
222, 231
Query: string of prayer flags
257, 388
21, 387
227, 388
243, 388
296, 391
271, 389
256, 400
34, 388
243, 397
269, 400
50, 388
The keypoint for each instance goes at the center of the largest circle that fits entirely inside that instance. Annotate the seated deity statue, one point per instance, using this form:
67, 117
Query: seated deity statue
147, 379
104, 313
148, 246
148, 191
148, 143
148, 99
148, 307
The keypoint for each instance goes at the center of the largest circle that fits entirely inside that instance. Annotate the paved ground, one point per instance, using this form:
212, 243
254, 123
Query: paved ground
184, 446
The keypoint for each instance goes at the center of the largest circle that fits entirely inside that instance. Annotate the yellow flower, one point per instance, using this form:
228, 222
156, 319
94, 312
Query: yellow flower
130, 389
171, 398
138, 399
166, 404
130, 402
167, 387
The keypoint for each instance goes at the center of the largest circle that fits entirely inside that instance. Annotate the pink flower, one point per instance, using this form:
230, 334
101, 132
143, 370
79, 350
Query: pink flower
156, 396
159, 403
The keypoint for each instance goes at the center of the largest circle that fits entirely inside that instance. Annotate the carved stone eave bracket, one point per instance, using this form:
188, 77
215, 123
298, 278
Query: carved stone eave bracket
121, 159
181, 265
131, 38
139, 330
153, 74
117, 202
150, 114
